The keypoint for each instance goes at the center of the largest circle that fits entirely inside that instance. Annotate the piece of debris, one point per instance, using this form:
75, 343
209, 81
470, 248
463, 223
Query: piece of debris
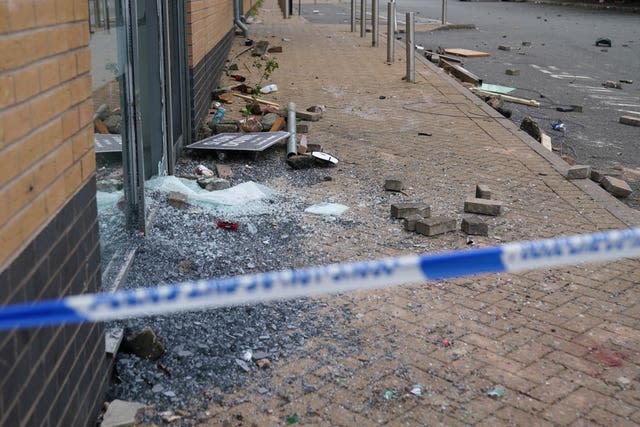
177, 200
616, 186
224, 171
247, 355
507, 98
260, 48
227, 225
597, 175
309, 116
474, 227
504, 47
225, 127
314, 147
100, 127
144, 344
303, 127
568, 159
627, 81
623, 383
564, 109
390, 394
498, 391
203, 171
327, 209
324, 158
435, 226
302, 161
393, 185
260, 100
424, 134
275, 49
526, 43
467, 53
531, 127
630, 120
278, 124
213, 184
250, 124
293, 418
461, 73
121, 413
483, 206
409, 223
169, 416
503, 90
483, 191
243, 365
611, 84
416, 390
579, 172
545, 140
263, 363
603, 41
269, 88
403, 210
512, 72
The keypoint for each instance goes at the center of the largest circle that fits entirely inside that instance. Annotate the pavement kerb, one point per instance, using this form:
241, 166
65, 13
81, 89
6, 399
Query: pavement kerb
615, 207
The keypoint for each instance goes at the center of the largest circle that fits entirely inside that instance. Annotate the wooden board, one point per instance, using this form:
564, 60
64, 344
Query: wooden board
467, 53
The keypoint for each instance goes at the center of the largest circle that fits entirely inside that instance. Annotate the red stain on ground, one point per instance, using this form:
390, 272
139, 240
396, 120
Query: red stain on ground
611, 358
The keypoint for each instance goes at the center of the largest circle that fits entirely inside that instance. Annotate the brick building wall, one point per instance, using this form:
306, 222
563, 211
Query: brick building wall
53, 376
210, 30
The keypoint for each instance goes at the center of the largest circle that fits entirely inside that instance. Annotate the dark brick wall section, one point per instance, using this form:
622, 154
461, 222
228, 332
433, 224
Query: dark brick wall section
204, 78
55, 376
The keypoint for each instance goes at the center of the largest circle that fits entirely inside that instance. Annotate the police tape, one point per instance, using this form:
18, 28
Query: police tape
203, 294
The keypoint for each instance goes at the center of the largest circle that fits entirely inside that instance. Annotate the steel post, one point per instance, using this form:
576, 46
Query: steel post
410, 37
391, 12
291, 123
363, 17
375, 22
444, 12
353, 16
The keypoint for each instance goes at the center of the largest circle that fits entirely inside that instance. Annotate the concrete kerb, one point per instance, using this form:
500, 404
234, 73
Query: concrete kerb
615, 207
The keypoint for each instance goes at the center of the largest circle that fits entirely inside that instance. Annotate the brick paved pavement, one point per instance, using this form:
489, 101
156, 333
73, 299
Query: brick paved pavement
559, 340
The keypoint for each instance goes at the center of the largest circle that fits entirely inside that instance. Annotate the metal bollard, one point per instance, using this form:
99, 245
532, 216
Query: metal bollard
391, 13
375, 22
363, 17
291, 124
410, 37
444, 12
353, 16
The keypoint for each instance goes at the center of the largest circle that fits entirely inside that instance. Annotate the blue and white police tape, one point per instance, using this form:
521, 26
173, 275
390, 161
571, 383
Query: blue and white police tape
512, 257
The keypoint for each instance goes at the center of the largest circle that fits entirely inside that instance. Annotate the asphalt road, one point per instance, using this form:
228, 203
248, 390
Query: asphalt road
561, 67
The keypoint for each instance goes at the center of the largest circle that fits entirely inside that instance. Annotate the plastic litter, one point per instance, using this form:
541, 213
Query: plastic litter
227, 225
498, 391
329, 209
247, 355
269, 88
203, 170
390, 394
416, 390
623, 383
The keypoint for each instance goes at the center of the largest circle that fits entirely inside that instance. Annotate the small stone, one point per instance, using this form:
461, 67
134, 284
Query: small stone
263, 364
144, 344
526, 43
157, 388
504, 47
121, 413
512, 72
434, 226
243, 365
393, 185
597, 175
630, 120
169, 393
301, 161
623, 383
579, 172
177, 200
260, 355
410, 221
268, 120
403, 210
531, 127
616, 186
475, 227
225, 127
611, 84
483, 191
262, 390
483, 206
303, 127
213, 183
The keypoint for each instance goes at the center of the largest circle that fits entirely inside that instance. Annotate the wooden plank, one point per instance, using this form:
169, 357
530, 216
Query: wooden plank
529, 102
461, 72
277, 125
467, 53
261, 101
100, 127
